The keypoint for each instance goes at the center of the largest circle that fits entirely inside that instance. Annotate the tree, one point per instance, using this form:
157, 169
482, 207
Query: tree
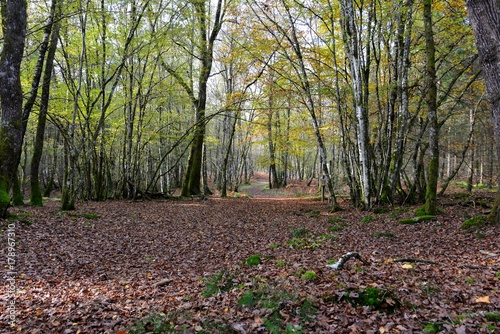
205, 46
431, 101
485, 19
14, 19
36, 193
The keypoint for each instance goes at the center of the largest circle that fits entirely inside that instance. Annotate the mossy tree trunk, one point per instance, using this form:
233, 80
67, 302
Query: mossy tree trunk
485, 20
191, 184
430, 205
11, 95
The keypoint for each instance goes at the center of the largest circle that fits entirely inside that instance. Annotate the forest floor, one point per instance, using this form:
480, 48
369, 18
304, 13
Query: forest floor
254, 264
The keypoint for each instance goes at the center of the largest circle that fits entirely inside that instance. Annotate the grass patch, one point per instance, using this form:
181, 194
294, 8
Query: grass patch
90, 216
492, 316
280, 263
414, 220
253, 260
304, 243
221, 281
433, 328
335, 220
299, 232
367, 219
314, 213
383, 235
378, 211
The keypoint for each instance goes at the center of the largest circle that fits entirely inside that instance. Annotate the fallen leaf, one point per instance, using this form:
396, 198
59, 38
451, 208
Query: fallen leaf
485, 299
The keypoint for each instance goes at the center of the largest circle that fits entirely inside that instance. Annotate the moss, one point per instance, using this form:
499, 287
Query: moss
36, 196
309, 275
4, 199
473, 223
415, 220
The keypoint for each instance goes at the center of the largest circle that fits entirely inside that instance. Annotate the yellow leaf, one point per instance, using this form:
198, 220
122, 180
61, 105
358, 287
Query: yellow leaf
485, 299
407, 266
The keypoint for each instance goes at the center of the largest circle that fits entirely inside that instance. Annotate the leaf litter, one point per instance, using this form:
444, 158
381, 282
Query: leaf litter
138, 267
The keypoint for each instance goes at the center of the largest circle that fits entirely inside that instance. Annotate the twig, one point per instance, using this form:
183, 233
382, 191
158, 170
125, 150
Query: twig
414, 260
340, 263
469, 266
163, 282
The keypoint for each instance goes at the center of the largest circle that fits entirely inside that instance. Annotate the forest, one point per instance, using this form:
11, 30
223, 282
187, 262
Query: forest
241, 166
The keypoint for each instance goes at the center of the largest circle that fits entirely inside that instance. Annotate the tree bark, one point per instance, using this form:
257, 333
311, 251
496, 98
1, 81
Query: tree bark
11, 95
430, 205
191, 184
36, 193
485, 19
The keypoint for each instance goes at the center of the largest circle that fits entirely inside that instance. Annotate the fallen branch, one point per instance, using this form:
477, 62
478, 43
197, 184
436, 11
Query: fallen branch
414, 260
469, 266
162, 282
340, 263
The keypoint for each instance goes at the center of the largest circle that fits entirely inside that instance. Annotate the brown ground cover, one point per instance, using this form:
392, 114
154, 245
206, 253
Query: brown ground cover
250, 265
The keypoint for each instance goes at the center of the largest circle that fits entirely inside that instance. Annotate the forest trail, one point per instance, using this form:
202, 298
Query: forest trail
259, 188
247, 265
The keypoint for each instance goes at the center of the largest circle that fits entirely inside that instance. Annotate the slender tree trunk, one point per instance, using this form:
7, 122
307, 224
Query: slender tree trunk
430, 205
11, 95
358, 77
36, 193
485, 19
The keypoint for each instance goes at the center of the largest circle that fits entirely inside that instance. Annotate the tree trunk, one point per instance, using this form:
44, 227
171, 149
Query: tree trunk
358, 74
485, 19
36, 193
192, 181
430, 205
11, 95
